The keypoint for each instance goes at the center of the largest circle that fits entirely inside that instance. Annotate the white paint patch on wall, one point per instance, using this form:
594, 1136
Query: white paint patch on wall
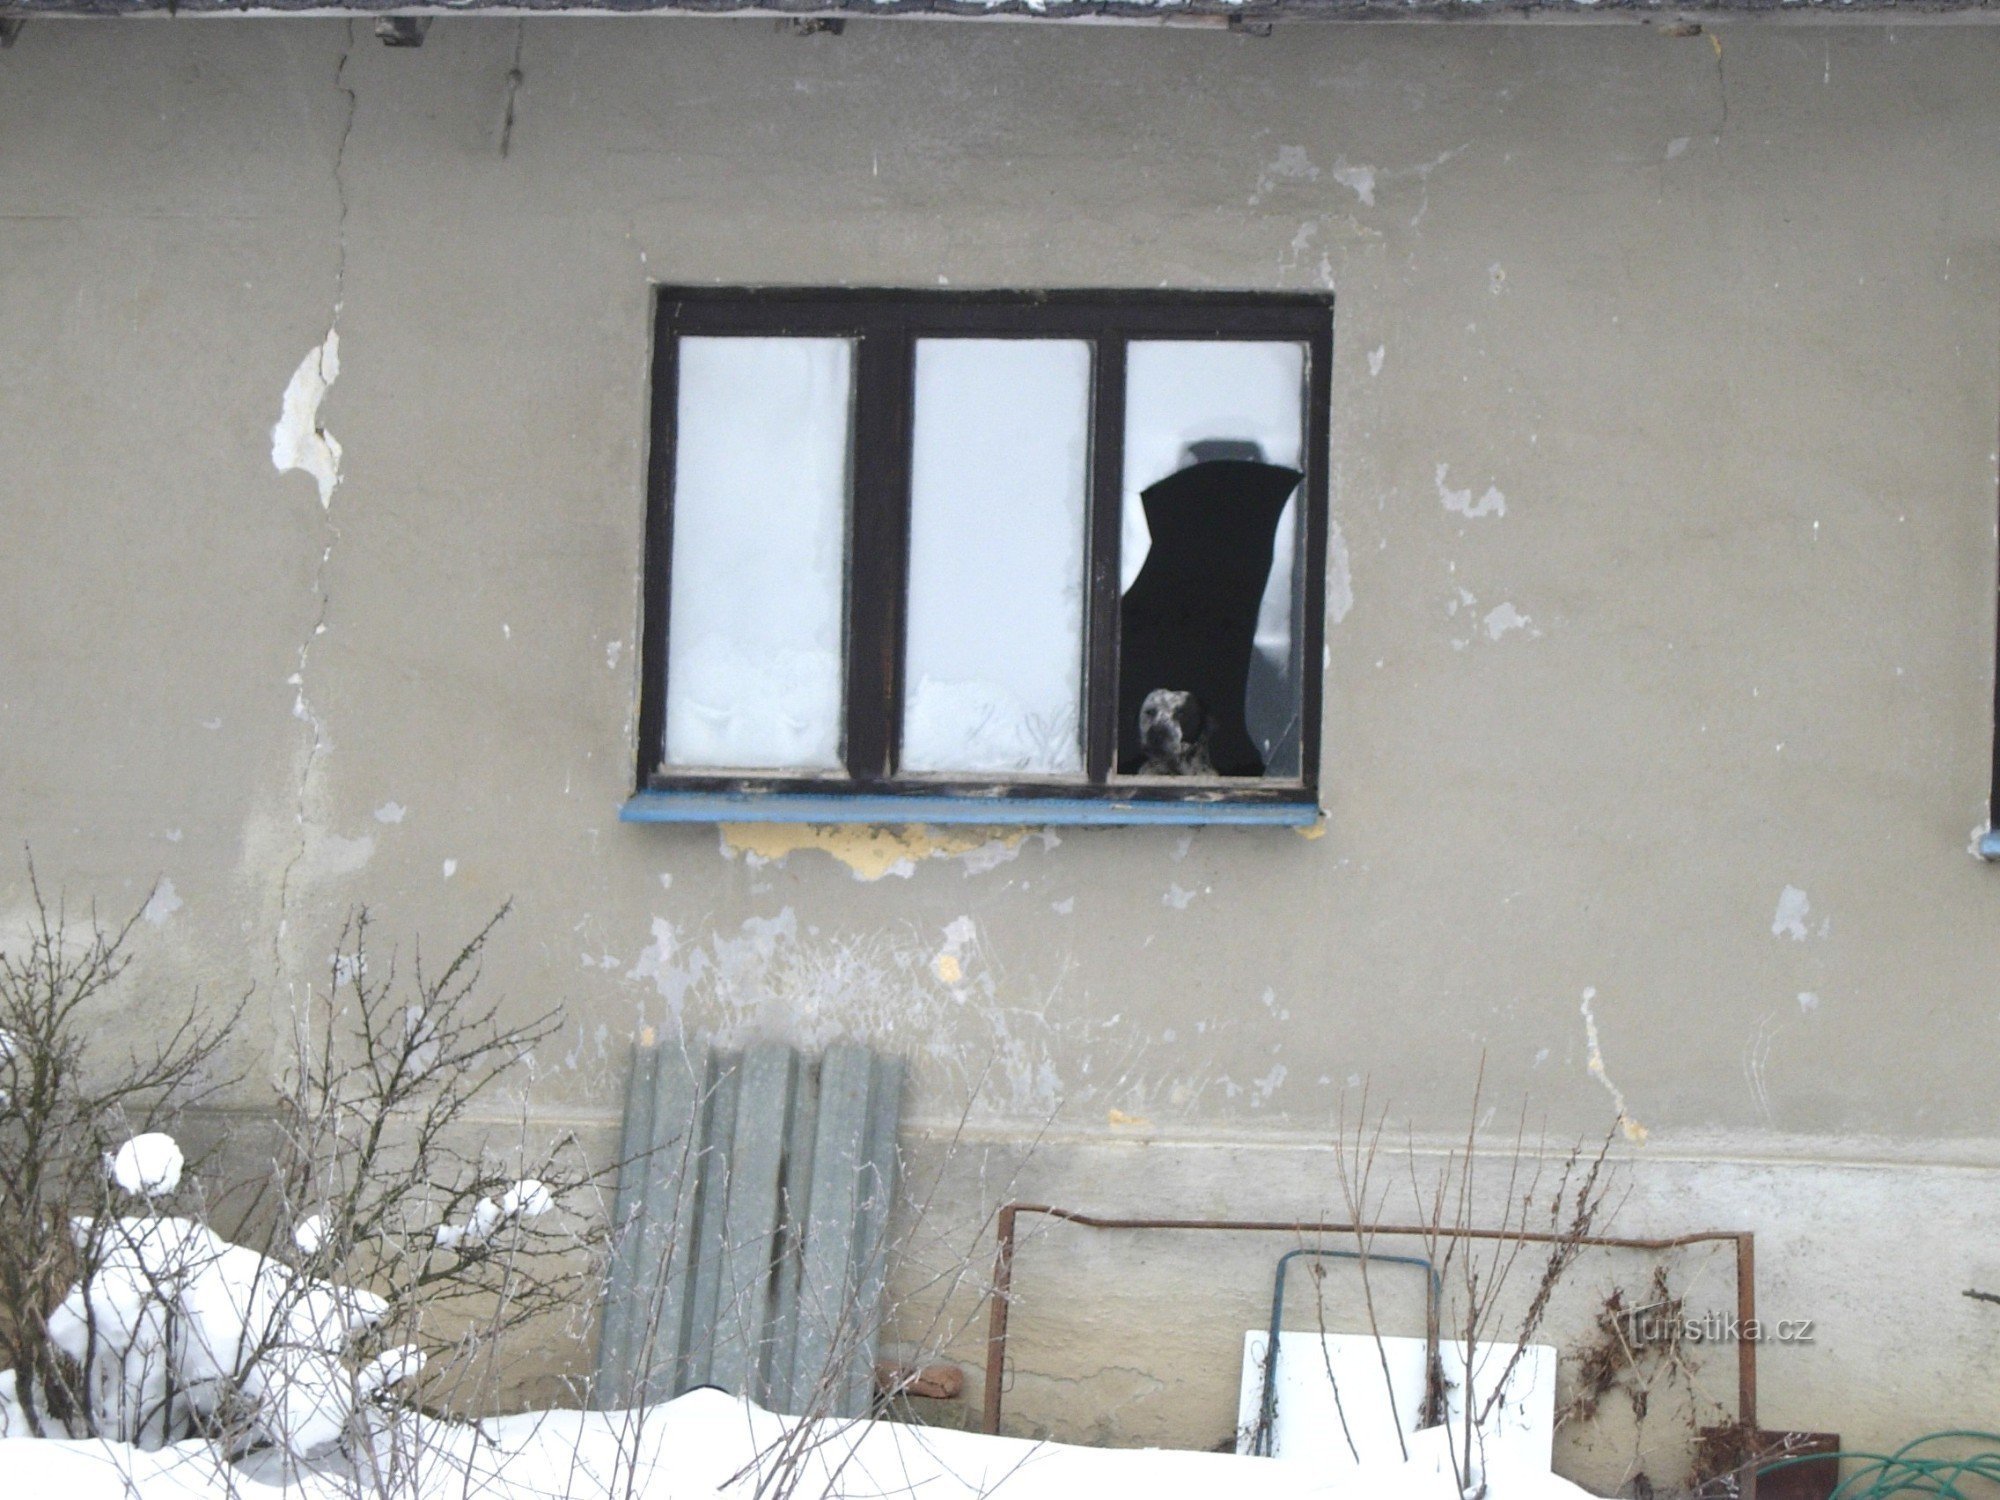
391, 812
1359, 180
1339, 574
960, 935
1790, 918
328, 855
1375, 357
1460, 502
163, 903
298, 441
1290, 165
996, 852
1503, 618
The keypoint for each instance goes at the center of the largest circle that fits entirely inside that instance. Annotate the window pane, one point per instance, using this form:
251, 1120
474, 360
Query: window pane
1209, 605
759, 553
999, 466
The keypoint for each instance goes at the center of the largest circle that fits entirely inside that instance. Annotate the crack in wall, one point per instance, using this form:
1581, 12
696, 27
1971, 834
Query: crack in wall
1721, 88
319, 454
514, 80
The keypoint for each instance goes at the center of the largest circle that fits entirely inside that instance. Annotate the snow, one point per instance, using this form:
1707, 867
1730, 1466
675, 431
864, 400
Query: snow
147, 1164
176, 1318
309, 1234
176, 1322
706, 1445
526, 1199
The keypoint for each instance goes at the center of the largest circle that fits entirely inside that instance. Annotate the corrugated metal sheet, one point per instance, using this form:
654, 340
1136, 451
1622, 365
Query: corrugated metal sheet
754, 1193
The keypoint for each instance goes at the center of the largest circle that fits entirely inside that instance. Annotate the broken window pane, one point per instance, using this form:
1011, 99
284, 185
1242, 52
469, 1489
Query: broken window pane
1214, 434
754, 619
999, 470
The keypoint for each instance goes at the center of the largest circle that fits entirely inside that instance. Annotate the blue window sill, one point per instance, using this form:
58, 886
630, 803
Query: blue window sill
1989, 844
808, 807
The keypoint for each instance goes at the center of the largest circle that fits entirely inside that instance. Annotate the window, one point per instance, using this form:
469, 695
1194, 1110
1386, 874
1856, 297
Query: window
984, 557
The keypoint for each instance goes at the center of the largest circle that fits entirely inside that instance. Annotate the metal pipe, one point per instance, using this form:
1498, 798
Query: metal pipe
1267, 1406
1743, 1240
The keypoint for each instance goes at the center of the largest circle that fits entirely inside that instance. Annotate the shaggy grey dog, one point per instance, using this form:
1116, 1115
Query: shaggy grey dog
1173, 732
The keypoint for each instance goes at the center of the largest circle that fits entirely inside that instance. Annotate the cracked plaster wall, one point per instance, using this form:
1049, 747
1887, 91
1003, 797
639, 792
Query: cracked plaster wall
1664, 412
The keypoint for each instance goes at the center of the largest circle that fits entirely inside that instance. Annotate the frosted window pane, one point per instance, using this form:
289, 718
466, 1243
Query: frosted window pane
759, 553
1249, 397
994, 651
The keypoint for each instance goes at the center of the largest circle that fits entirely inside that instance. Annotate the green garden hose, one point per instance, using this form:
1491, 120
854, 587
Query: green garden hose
1973, 1475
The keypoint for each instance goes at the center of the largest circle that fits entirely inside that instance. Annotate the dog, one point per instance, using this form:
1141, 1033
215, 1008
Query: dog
1173, 733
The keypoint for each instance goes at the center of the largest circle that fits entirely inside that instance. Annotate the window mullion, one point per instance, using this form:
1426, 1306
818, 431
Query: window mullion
1310, 638
878, 551
1107, 501
659, 546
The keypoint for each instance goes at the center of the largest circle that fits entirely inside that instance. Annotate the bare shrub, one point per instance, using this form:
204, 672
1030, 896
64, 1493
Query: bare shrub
387, 1229
67, 1101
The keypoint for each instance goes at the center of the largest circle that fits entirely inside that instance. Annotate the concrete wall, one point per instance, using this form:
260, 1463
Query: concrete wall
1719, 318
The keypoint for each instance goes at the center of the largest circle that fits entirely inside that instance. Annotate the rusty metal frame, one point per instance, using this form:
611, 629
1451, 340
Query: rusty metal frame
1003, 1277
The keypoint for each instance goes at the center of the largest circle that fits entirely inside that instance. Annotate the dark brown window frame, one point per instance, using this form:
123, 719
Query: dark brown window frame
885, 325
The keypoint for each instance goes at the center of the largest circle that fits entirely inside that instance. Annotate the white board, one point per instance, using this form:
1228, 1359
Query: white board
1380, 1386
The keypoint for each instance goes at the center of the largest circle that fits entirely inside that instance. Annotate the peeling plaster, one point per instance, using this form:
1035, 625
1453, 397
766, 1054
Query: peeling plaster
1291, 164
1503, 618
1634, 1131
162, 904
772, 979
1789, 921
872, 852
1339, 574
959, 935
328, 855
1492, 503
391, 812
1360, 180
298, 441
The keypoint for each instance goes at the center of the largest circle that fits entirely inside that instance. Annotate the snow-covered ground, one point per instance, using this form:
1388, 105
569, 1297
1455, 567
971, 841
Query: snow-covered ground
181, 1331
708, 1444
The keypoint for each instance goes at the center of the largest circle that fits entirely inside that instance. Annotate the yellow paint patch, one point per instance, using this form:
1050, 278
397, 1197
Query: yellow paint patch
948, 968
1119, 1117
1313, 830
869, 850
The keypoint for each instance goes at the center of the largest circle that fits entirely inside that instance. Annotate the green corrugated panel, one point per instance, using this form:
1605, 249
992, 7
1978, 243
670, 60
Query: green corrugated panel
751, 1252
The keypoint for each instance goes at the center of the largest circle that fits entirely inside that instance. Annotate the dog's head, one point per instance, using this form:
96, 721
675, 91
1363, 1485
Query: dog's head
1171, 727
